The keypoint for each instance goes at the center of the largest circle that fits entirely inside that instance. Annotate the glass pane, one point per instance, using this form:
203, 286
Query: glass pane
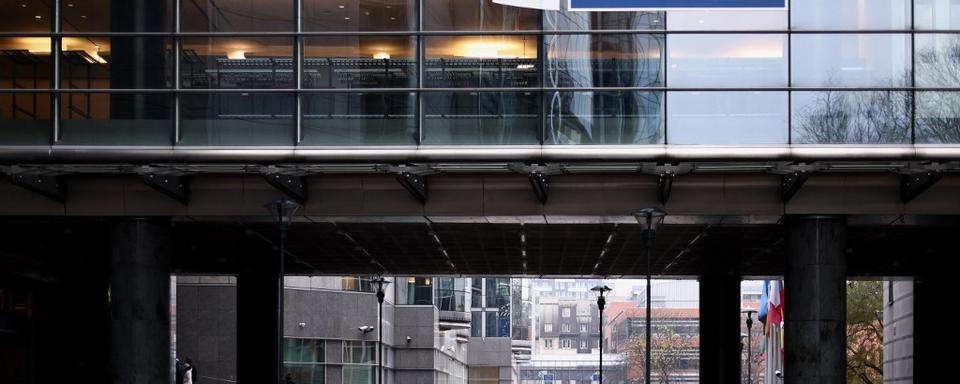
727, 118
865, 60
938, 117
481, 118
937, 60
851, 14
237, 62
359, 15
477, 15
587, 21
239, 119
491, 324
936, 14
726, 20
359, 374
25, 62
604, 60
117, 15
360, 62
25, 119
116, 118
237, 16
481, 61
476, 319
117, 62
605, 118
727, 61
303, 373
838, 117
25, 16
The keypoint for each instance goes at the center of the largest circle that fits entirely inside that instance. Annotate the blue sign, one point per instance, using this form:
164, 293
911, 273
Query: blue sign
639, 5
548, 377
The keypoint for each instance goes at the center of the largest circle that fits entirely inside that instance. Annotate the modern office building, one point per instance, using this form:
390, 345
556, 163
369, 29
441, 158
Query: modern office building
464, 138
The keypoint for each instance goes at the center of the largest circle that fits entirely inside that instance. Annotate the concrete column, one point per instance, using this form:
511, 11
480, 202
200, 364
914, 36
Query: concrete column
139, 302
815, 301
719, 329
933, 325
257, 327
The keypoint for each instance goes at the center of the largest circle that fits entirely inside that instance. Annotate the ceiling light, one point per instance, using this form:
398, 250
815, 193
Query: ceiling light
38, 17
340, 6
346, 18
392, 18
238, 54
525, 66
381, 55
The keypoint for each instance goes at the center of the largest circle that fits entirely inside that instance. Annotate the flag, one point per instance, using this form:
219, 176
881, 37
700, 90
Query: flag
775, 308
547, 5
764, 299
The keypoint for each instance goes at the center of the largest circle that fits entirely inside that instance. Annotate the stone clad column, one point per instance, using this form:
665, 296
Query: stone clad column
815, 301
719, 329
139, 302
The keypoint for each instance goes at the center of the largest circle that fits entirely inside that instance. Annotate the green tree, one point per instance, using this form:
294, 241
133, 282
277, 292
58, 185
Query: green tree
864, 332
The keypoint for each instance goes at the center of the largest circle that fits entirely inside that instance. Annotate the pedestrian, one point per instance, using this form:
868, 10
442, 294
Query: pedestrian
189, 373
289, 379
178, 371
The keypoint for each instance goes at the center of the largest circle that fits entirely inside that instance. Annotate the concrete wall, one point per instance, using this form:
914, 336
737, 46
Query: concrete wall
898, 332
491, 352
207, 325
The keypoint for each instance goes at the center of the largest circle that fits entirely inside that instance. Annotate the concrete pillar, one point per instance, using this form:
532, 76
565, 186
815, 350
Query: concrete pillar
257, 326
719, 329
933, 332
815, 301
139, 302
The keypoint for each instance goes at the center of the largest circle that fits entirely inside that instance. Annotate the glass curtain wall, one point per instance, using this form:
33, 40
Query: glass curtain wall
242, 73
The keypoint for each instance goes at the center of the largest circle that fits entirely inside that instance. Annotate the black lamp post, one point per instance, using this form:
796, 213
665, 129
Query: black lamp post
282, 210
601, 302
749, 313
381, 282
648, 218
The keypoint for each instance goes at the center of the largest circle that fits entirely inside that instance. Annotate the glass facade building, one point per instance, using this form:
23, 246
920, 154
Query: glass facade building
420, 73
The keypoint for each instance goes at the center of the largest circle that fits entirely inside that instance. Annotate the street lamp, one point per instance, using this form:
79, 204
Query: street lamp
648, 218
749, 313
601, 302
283, 210
381, 282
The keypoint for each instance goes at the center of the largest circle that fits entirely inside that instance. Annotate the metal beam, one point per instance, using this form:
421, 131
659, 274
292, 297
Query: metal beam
415, 184
293, 186
50, 186
541, 187
664, 186
791, 183
912, 185
175, 187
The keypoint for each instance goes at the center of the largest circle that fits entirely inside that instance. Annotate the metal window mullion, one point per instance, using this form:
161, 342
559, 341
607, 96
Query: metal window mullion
421, 57
176, 72
298, 46
666, 67
913, 74
55, 44
790, 74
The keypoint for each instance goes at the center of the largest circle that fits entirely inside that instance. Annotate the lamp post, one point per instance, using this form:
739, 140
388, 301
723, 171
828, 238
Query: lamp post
381, 282
749, 313
601, 302
282, 210
648, 218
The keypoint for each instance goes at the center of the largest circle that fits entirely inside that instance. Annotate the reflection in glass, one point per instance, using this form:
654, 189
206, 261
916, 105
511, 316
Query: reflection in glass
481, 61
727, 118
359, 119
936, 14
117, 15
25, 119
865, 60
115, 118
302, 360
237, 16
845, 117
604, 60
937, 60
25, 16
727, 60
727, 20
360, 62
236, 119
237, 63
481, 118
605, 118
850, 14
414, 290
25, 62
938, 118
477, 15
117, 62
359, 15
587, 21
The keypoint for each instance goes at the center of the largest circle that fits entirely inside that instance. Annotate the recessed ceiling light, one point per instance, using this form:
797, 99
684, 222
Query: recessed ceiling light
392, 18
346, 18
38, 17
23, 5
367, 13
83, 16
340, 6
70, 5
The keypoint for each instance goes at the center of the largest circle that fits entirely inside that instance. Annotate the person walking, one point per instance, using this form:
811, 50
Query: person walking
189, 373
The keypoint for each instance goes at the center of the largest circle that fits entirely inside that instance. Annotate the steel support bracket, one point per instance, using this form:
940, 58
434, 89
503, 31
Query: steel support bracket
176, 187
294, 187
664, 186
791, 183
50, 186
415, 184
914, 184
540, 184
